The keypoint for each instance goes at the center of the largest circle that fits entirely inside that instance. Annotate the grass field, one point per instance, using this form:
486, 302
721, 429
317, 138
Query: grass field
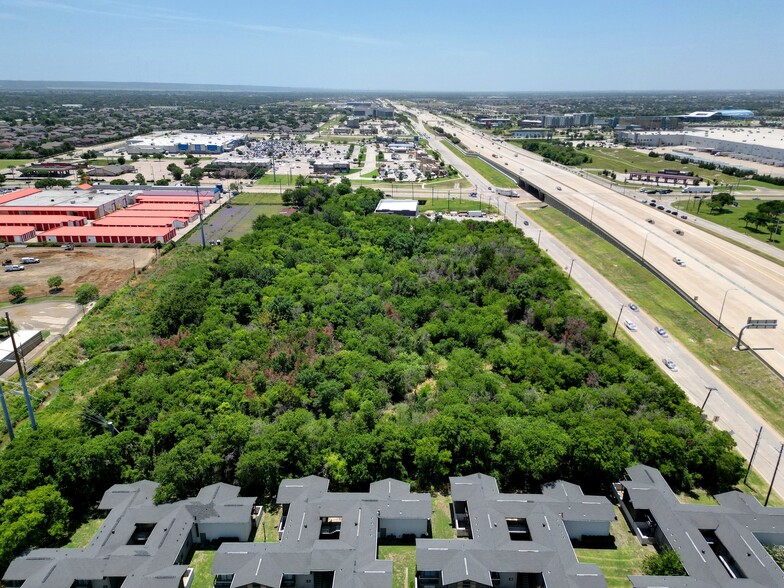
267, 531
488, 172
454, 204
442, 518
730, 217
6, 163
759, 387
403, 559
256, 198
84, 534
279, 179
618, 160
201, 562
624, 560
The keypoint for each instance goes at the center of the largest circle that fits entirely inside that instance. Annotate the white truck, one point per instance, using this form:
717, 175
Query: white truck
698, 190
507, 192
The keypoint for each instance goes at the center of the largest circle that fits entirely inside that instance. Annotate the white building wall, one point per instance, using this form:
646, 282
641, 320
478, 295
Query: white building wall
400, 527
578, 529
213, 531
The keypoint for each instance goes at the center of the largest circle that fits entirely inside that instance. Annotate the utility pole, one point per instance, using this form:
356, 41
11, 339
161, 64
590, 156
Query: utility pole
201, 220
30, 412
710, 390
753, 454
6, 416
776, 471
618, 320
571, 265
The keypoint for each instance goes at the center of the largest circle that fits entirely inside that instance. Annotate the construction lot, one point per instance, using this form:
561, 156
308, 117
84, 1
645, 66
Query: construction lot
106, 267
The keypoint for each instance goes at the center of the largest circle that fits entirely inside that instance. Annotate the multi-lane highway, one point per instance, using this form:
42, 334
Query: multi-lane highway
627, 219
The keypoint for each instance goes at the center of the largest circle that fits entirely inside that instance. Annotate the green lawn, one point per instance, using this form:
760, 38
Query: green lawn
757, 385
256, 198
6, 163
618, 160
403, 560
487, 171
442, 518
624, 560
455, 203
84, 534
730, 217
279, 179
201, 562
267, 531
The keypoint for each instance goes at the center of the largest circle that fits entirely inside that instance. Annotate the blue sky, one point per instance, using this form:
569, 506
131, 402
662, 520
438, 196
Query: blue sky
427, 45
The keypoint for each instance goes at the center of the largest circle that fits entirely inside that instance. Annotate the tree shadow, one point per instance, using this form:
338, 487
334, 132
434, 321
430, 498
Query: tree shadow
20, 300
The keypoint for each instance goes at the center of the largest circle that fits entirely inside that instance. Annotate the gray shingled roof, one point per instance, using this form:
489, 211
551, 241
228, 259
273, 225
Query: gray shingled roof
491, 548
152, 565
352, 557
739, 522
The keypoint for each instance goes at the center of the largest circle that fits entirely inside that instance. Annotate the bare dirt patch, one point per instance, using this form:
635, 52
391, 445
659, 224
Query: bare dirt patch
108, 268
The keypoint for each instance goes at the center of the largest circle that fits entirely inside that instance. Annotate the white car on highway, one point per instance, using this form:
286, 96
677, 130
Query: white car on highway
660, 331
670, 364
679, 261
630, 325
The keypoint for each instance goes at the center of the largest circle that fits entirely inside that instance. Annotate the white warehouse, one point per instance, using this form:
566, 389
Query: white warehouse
177, 142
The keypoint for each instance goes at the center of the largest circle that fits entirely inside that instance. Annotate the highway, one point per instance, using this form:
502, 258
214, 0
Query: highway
713, 268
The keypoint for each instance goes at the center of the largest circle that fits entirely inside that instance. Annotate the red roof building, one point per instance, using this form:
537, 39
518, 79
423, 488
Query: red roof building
92, 235
17, 234
140, 221
11, 196
41, 222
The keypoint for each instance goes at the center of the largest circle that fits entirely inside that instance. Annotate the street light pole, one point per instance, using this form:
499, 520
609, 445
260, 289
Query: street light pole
721, 312
644, 245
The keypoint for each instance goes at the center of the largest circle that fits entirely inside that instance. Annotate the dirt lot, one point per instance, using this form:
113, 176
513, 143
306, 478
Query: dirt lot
107, 268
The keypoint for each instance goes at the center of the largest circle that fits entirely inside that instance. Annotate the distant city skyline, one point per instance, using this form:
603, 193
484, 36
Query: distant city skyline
505, 46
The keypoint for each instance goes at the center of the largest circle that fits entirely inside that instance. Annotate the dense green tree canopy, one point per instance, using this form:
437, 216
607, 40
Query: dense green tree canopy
357, 346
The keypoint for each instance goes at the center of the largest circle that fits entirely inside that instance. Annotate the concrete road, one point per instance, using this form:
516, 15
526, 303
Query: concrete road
627, 219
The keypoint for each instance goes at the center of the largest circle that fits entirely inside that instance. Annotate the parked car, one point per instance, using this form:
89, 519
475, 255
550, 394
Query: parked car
14, 268
683, 216
670, 364
27, 260
68, 247
660, 331
630, 325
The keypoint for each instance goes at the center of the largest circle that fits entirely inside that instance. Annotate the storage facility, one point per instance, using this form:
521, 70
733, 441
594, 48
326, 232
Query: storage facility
91, 204
41, 222
17, 234
140, 221
92, 235
26, 341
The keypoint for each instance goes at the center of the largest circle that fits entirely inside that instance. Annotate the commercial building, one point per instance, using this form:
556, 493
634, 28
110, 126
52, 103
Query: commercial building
49, 170
26, 341
716, 115
327, 539
92, 235
575, 119
719, 546
110, 171
400, 207
331, 167
140, 221
140, 544
514, 540
17, 234
764, 145
91, 204
646, 123
191, 142
41, 222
